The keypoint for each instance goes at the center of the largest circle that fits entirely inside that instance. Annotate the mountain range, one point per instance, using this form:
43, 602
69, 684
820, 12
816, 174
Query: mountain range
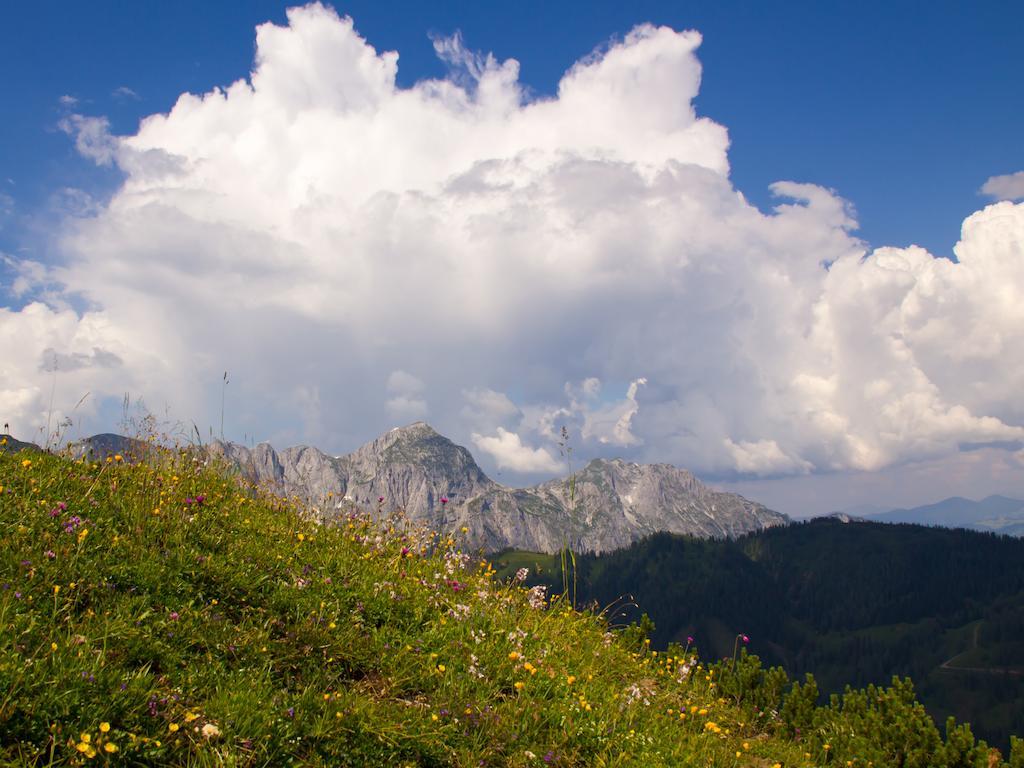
437, 485
994, 514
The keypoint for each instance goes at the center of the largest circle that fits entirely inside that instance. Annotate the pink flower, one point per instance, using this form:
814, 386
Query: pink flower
746, 639
444, 500
380, 500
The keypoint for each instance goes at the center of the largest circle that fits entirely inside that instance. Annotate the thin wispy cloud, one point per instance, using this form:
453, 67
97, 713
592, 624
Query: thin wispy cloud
123, 92
1007, 187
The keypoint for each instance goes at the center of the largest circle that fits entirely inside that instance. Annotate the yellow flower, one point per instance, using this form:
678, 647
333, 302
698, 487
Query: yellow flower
173, 727
520, 685
440, 667
118, 457
53, 646
84, 737
570, 679
513, 655
110, 747
104, 727
26, 463
301, 537
82, 747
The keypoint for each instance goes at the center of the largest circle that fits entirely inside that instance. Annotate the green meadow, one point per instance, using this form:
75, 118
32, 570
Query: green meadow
163, 613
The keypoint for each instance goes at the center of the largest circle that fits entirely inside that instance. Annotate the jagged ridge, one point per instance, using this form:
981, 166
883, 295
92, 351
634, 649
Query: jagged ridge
414, 468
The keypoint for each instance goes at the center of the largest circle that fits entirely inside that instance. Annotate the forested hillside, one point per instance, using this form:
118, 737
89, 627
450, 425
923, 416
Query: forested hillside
853, 603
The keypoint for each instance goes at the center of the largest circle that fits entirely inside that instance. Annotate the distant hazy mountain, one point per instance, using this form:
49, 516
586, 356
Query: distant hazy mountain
995, 513
99, 447
12, 445
415, 469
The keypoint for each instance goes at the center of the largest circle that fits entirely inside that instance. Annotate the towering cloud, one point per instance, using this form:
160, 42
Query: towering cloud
358, 253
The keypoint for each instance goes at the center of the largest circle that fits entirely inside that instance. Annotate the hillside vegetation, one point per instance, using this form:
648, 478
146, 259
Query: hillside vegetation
853, 603
164, 614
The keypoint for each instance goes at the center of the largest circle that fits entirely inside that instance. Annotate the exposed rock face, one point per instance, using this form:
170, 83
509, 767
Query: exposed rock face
414, 469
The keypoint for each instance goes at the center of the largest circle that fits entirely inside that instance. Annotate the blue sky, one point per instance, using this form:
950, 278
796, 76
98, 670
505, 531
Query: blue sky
904, 108
464, 242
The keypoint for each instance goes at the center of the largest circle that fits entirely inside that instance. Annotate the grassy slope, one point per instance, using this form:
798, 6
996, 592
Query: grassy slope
163, 615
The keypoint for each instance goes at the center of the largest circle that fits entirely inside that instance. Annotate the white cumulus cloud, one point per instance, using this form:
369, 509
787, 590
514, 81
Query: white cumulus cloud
509, 452
320, 231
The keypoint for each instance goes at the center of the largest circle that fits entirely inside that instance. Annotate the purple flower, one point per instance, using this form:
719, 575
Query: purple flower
444, 500
291, 712
746, 639
380, 500
50, 554
689, 640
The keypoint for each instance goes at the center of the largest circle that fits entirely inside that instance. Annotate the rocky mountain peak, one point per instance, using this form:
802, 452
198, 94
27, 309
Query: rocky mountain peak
437, 484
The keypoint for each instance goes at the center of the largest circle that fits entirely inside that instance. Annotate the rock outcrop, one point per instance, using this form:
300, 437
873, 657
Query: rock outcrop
438, 484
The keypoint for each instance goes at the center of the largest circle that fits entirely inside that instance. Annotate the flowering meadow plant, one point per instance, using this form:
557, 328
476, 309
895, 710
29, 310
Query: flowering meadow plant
162, 614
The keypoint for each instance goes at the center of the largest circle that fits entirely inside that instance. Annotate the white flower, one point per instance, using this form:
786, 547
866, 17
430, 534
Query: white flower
536, 596
210, 731
521, 574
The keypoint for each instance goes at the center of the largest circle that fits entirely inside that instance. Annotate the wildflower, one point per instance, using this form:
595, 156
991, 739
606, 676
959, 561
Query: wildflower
535, 597
444, 500
513, 655
118, 457
210, 731
53, 647
441, 668
520, 685
380, 500
173, 727
110, 747
521, 574
746, 639
104, 727
26, 463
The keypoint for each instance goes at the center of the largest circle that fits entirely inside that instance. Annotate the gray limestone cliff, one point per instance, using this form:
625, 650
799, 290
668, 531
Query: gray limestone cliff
437, 484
